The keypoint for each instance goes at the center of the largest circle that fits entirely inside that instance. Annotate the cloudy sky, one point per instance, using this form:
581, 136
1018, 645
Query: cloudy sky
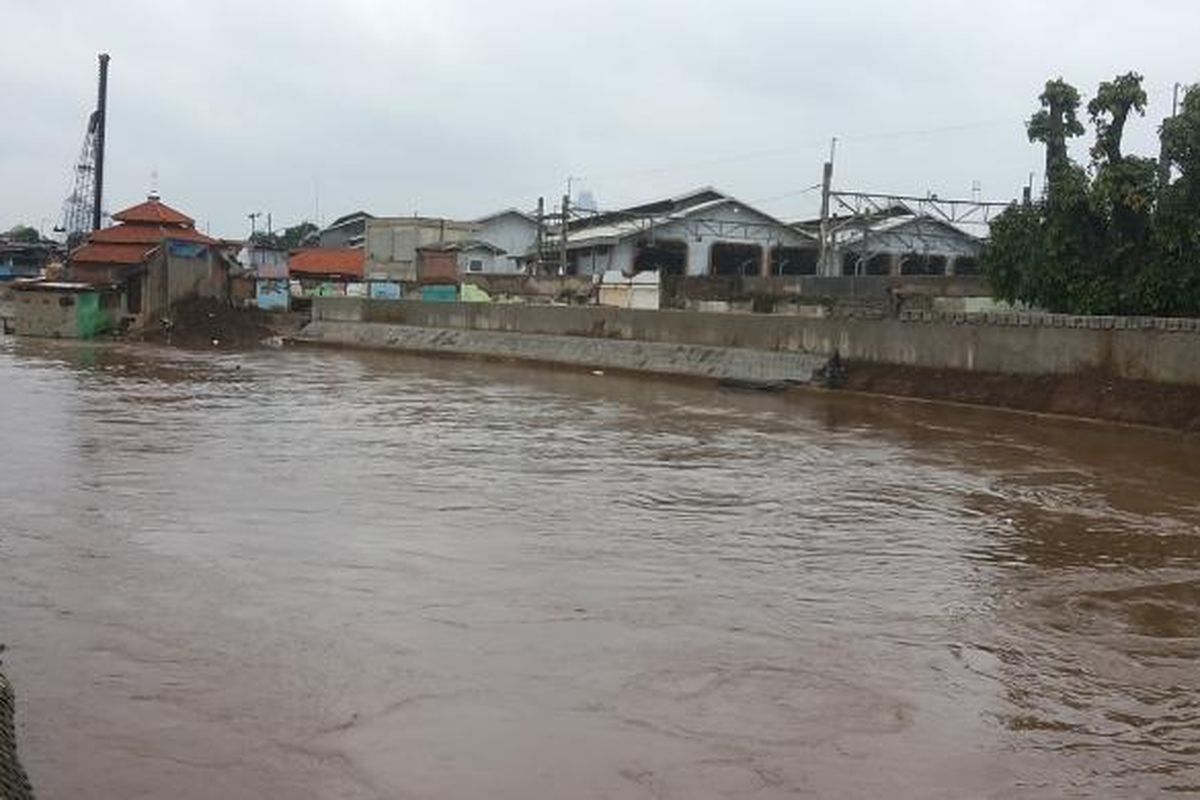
459, 107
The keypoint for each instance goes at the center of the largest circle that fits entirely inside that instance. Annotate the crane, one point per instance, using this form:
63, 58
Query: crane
81, 211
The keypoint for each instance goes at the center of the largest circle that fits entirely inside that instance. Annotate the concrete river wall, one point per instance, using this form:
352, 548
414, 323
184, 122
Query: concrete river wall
1157, 350
1140, 370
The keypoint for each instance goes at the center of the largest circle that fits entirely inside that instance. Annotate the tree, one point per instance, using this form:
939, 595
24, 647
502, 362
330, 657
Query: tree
23, 234
1113, 239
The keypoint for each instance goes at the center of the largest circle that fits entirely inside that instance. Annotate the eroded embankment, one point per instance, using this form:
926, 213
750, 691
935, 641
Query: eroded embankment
1091, 394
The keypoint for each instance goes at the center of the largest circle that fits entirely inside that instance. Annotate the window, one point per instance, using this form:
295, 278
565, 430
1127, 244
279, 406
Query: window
667, 256
966, 265
476, 265
727, 258
793, 261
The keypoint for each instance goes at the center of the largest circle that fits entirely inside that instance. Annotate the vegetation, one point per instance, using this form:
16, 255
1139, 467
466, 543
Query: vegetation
1119, 237
289, 238
23, 234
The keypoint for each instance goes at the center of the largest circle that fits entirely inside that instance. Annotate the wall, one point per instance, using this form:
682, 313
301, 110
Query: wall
41, 314
513, 233
66, 315
392, 243
1167, 351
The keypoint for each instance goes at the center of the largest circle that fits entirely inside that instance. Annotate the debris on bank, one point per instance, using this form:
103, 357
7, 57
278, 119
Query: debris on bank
210, 323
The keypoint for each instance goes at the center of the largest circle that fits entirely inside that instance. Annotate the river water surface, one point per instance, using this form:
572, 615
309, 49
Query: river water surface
315, 574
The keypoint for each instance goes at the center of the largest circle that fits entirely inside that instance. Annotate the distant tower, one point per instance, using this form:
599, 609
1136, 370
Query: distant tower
81, 211
585, 200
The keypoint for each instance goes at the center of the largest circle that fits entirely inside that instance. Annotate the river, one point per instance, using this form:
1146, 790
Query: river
323, 574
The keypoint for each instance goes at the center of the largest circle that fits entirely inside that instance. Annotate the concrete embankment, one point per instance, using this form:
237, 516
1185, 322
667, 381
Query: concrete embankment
1137, 370
664, 358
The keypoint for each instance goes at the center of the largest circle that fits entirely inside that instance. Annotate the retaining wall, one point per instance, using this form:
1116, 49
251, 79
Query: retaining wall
1159, 350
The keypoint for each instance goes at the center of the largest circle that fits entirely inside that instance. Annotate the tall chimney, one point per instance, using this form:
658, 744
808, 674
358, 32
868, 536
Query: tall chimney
101, 105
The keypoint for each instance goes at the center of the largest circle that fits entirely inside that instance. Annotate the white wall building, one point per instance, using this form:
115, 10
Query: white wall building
704, 232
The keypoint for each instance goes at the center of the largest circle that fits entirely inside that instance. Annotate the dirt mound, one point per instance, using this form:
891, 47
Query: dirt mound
210, 323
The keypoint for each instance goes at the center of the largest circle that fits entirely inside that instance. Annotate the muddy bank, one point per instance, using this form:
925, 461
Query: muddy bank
1092, 395
210, 323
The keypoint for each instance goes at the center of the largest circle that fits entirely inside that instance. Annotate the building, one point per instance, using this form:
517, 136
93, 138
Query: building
65, 309
703, 232
326, 271
499, 243
898, 241
267, 266
349, 230
504, 243
25, 259
393, 244
155, 255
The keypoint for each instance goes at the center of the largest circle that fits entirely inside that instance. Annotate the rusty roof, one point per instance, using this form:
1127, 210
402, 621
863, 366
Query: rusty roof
138, 233
154, 211
326, 261
105, 253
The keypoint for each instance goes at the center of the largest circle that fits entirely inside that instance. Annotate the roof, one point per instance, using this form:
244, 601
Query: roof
140, 233
39, 285
850, 229
326, 261
345, 219
103, 253
464, 245
612, 227
504, 212
154, 211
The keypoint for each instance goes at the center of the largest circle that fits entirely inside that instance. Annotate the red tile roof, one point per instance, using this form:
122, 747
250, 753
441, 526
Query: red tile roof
326, 261
111, 253
141, 229
137, 233
153, 211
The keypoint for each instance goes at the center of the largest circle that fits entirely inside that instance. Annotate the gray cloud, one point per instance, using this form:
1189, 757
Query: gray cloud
458, 107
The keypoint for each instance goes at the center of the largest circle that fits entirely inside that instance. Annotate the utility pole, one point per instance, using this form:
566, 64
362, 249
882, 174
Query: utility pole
253, 220
101, 112
562, 235
1164, 165
825, 253
541, 235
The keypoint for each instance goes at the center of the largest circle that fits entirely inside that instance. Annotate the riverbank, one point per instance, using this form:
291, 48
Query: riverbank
1137, 371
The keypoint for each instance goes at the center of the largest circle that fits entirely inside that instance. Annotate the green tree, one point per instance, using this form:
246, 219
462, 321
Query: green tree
24, 234
294, 236
1111, 239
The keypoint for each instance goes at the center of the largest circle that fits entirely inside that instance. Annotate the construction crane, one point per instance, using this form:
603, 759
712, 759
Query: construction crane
81, 212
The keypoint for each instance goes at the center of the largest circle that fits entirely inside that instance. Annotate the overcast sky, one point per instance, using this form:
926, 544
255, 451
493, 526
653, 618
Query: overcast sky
461, 107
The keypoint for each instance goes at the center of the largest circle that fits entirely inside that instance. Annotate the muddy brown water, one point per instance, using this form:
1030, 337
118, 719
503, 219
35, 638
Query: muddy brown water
319, 574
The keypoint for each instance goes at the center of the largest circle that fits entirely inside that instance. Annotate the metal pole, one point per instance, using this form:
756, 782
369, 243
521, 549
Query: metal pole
825, 253
541, 235
101, 111
562, 235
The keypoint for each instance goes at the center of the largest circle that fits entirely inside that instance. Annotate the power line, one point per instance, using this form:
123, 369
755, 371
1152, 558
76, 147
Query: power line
792, 149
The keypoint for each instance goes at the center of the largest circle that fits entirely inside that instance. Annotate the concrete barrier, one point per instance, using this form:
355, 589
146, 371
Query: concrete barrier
663, 358
1163, 351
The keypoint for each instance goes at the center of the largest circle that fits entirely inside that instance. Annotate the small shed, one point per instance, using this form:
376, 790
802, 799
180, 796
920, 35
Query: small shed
65, 310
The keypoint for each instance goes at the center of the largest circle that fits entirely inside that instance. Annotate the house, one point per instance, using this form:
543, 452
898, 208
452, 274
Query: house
348, 230
703, 232
267, 266
393, 244
65, 309
503, 243
156, 256
25, 259
326, 271
898, 241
